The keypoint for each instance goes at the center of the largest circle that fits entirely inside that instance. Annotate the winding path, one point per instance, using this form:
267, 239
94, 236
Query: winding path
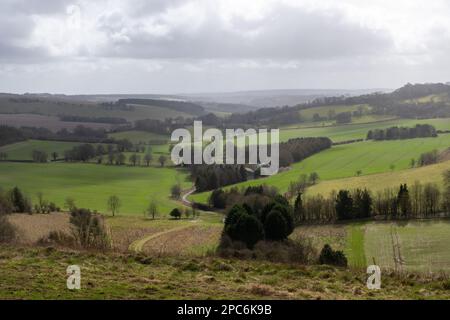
137, 245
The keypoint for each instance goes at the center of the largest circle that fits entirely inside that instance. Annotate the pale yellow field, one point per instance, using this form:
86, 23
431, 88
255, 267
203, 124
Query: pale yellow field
375, 182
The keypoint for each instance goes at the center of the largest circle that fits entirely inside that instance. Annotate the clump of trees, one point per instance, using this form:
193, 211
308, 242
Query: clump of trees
210, 177
248, 226
14, 201
428, 158
344, 117
39, 156
396, 133
255, 196
298, 149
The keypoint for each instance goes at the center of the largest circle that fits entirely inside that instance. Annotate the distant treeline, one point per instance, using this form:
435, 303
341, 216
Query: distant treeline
79, 134
406, 202
10, 135
298, 149
395, 103
396, 133
109, 120
211, 177
181, 106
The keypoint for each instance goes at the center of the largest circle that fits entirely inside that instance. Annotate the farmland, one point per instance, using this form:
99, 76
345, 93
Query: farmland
43, 121
139, 136
91, 185
377, 182
343, 161
356, 131
422, 244
22, 150
55, 108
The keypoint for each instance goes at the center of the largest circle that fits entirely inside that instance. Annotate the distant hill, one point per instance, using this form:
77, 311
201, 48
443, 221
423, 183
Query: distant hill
414, 91
181, 106
272, 98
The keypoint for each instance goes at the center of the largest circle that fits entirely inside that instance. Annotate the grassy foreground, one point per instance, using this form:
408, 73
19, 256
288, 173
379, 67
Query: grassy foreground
40, 273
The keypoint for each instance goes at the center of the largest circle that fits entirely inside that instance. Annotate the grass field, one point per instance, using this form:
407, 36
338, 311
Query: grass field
22, 150
380, 181
357, 130
90, 185
371, 157
423, 245
89, 110
139, 136
308, 114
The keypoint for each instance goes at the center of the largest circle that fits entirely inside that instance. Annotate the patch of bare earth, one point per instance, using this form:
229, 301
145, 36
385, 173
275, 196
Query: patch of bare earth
122, 237
183, 241
31, 228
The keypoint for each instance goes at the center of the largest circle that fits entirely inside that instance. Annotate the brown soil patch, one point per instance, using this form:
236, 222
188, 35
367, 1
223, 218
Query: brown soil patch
122, 237
184, 241
31, 228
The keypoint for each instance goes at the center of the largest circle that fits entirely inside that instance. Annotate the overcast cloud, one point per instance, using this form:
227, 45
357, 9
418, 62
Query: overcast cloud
178, 46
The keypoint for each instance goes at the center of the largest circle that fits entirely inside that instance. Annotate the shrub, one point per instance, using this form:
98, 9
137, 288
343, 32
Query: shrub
20, 203
89, 229
175, 213
176, 191
57, 238
7, 230
332, 257
248, 230
275, 226
6, 205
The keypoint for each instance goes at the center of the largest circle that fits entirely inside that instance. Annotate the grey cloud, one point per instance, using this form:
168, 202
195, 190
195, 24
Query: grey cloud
288, 33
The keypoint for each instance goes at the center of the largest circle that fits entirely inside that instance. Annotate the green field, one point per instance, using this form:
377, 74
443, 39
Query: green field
423, 244
343, 161
91, 185
22, 150
356, 131
139, 136
427, 174
90, 110
308, 114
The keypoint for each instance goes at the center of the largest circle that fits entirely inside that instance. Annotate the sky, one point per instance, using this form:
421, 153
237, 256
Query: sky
187, 46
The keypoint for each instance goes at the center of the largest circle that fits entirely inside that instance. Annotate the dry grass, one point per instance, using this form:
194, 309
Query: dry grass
31, 228
334, 235
194, 240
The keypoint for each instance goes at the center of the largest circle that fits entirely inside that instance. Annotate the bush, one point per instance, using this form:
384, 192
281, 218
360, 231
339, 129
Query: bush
7, 230
175, 213
57, 238
175, 190
6, 205
275, 226
19, 201
248, 230
331, 257
89, 229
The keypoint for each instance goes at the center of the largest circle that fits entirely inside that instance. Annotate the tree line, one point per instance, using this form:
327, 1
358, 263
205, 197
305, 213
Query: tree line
407, 202
396, 133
